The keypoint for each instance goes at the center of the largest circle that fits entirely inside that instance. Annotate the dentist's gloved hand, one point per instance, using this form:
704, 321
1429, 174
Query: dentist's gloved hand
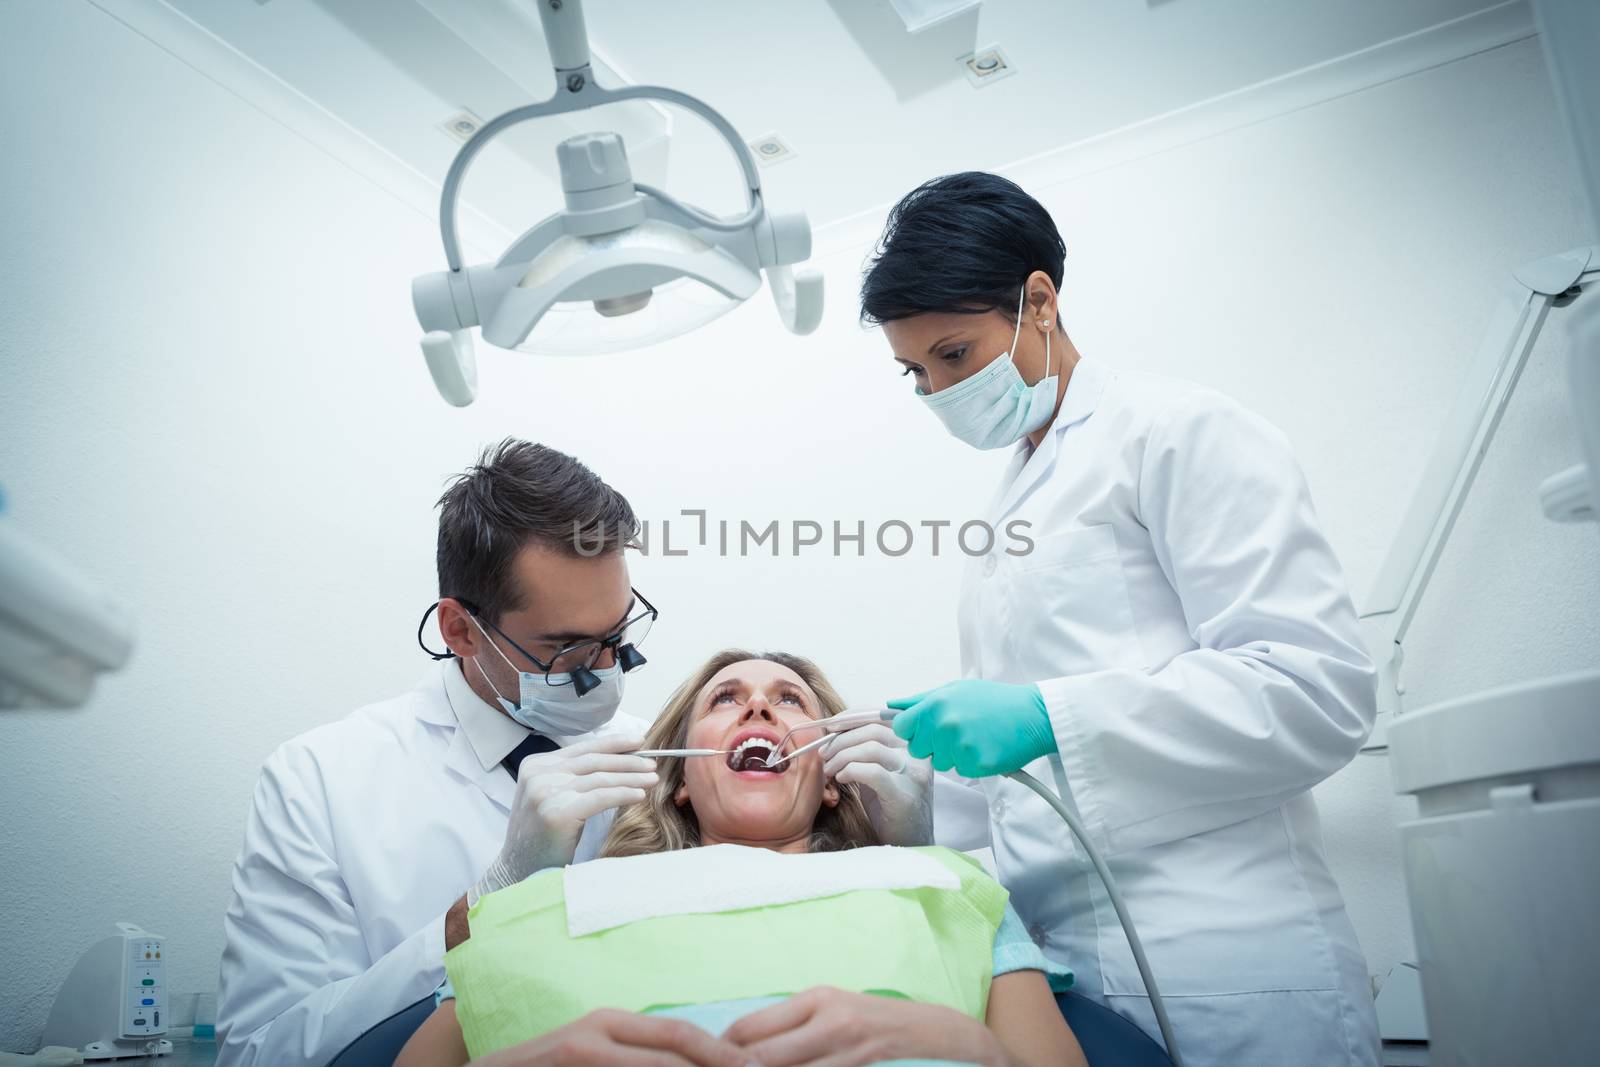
980, 728
896, 789
556, 792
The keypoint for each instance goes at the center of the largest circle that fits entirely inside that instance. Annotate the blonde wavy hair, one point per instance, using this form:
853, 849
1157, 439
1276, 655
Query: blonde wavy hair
659, 825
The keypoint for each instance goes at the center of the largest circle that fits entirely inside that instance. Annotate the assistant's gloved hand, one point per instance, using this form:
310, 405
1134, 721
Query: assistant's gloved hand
556, 792
896, 789
980, 728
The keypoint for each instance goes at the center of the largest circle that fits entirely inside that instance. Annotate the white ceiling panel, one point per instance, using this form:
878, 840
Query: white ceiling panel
868, 108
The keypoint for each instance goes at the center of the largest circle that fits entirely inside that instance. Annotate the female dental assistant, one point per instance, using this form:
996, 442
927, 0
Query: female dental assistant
1178, 653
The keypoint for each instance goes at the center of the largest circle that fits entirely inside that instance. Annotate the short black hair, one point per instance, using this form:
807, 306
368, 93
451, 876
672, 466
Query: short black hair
961, 243
520, 493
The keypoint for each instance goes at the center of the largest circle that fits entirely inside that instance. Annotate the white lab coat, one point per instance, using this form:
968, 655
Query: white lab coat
362, 834
1190, 630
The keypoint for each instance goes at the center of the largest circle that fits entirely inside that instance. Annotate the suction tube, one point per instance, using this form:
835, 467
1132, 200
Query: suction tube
1116, 902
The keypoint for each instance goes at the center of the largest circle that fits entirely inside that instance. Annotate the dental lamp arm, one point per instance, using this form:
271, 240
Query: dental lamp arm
586, 96
566, 36
798, 295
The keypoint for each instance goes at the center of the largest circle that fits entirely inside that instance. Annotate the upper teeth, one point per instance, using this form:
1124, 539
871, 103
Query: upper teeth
754, 742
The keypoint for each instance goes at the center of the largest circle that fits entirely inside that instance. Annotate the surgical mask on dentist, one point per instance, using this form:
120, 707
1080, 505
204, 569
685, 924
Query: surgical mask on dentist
995, 407
550, 704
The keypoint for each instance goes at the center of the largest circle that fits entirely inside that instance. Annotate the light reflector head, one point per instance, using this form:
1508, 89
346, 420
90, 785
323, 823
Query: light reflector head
580, 328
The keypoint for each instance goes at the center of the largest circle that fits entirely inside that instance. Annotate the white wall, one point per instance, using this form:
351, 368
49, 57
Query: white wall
214, 400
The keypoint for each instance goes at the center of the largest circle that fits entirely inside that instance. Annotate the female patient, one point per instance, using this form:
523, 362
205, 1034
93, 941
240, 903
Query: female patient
771, 933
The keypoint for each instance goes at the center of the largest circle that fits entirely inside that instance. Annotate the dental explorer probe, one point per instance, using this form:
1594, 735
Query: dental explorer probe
833, 725
846, 718
850, 717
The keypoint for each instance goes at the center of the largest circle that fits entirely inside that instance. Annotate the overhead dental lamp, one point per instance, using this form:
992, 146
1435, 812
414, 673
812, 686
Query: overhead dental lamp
623, 264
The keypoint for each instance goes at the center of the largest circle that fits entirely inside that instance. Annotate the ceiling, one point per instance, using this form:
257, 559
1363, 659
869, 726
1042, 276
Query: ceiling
869, 109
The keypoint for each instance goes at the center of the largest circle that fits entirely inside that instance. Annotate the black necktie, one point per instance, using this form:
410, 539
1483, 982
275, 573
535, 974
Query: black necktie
531, 744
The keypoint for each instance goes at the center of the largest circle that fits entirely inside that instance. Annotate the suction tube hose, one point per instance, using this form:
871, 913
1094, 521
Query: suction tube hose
1116, 902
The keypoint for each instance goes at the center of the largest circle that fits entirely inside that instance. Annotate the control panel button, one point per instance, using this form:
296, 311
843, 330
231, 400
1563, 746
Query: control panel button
148, 981
147, 1001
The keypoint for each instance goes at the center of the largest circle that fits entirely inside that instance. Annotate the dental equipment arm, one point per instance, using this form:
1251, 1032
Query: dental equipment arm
1490, 377
1567, 32
58, 630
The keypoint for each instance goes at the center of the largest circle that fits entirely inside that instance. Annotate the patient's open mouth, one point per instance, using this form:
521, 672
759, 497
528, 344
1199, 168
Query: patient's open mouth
752, 753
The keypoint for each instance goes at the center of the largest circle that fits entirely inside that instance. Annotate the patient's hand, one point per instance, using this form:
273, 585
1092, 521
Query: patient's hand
828, 1025
609, 1038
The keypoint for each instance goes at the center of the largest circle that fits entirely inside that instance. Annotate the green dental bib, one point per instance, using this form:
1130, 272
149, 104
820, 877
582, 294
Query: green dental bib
521, 974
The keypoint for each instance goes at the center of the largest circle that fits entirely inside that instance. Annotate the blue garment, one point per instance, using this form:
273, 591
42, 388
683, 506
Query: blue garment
1014, 950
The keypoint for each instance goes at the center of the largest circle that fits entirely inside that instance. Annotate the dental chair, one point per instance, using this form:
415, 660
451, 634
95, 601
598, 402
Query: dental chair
1108, 1040
380, 1045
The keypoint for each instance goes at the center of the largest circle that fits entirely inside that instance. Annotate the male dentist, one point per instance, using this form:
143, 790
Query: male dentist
369, 837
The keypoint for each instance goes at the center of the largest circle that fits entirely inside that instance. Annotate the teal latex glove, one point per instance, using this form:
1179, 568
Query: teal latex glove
978, 728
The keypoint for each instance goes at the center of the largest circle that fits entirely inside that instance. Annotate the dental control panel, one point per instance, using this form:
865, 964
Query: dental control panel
113, 1003
144, 997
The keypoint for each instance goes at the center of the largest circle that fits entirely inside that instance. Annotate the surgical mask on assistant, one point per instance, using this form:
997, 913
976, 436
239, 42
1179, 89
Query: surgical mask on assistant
550, 704
995, 407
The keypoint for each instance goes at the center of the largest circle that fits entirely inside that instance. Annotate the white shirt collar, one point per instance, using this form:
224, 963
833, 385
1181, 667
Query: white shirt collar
1084, 387
491, 732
